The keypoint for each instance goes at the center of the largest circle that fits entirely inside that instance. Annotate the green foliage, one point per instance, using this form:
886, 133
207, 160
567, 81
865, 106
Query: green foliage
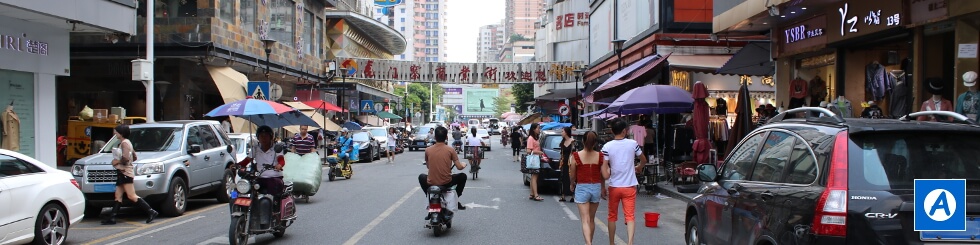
518, 37
501, 105
418, 96
523, 93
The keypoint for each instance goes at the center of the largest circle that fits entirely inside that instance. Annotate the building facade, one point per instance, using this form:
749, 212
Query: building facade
422, 23
35, 53
489, 43
521, 17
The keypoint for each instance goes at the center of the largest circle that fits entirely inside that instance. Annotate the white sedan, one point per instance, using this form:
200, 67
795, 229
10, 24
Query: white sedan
484, 136
40, 202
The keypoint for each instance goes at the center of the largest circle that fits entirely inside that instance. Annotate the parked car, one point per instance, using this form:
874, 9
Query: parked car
494, 126
367, 145
380, 134
175, 160
550, 141
243, 144
420, 137
40, 203
828, 180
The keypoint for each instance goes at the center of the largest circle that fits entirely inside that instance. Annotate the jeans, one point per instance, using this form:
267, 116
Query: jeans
458, 179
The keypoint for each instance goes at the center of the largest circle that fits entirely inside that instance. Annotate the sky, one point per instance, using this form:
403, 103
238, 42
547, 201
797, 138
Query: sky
463, 22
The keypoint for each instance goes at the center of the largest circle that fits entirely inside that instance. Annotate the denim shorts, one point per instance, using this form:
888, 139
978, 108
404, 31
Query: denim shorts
391, 148
587, 193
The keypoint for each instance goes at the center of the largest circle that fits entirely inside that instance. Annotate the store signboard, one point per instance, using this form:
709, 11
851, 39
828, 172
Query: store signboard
802, 35
480, 101
460, 73
925, 10
32, 47
855, 18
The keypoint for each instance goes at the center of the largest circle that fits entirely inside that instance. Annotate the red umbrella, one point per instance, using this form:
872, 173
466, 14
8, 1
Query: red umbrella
320, 104
702, 145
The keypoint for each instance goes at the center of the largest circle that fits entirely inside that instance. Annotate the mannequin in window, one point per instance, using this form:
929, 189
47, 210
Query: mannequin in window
872, 111
818, 91
797, 93
968, 103
841, 106
936, 102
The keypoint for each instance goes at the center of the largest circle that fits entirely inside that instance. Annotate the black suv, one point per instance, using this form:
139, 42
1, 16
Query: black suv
550, 141
824, 180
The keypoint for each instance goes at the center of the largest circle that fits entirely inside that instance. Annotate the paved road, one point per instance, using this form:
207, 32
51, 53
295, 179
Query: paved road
382, 204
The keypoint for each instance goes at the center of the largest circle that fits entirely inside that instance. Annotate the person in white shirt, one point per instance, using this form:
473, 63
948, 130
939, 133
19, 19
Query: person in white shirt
392, 142
475, 145
619, 169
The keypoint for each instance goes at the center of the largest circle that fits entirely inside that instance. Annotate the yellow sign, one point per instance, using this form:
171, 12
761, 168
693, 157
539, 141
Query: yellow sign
492, 85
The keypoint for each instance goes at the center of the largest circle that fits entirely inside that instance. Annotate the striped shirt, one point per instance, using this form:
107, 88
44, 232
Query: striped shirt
303, 144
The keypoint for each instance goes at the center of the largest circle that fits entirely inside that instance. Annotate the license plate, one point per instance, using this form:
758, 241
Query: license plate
243, 202
104, 188
419, 143
972, 231
435, 210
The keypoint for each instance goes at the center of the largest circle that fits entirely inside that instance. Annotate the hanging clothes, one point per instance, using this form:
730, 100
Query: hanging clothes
900, 101
841, 106
797, 93
877, 82
721, 107
11, 130
818, 91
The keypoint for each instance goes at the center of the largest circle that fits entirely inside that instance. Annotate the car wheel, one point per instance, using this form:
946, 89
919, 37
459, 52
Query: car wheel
693, 234
223, 194
51, 226
176, 201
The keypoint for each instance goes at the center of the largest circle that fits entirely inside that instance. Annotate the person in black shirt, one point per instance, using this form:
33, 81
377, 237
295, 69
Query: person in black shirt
515, 142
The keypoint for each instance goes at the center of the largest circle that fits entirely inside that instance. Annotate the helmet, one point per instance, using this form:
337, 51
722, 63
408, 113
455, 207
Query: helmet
343, 130
263, 130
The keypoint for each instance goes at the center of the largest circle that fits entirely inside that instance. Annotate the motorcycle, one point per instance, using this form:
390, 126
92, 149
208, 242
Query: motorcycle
338, 166
458, 146
441, 199
253, 213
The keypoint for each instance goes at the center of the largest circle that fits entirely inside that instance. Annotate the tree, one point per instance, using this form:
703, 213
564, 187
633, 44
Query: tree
523, 93
501, 105
518, 37
451, 113
418, 96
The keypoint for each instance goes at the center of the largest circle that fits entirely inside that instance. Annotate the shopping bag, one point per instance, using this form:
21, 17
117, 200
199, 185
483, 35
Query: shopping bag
533, 161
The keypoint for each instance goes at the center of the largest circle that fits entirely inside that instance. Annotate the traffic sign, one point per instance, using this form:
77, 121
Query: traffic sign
564, 110
259, 90
940, 205
367, 106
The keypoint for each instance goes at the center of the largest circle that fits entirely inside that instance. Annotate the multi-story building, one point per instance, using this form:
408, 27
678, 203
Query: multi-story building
521, 16
35, 53
423, 23
489, 43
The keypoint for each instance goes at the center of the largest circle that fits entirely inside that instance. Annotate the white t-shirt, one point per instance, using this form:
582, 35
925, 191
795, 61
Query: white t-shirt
621, 154
263, 158
392, 138
473, 141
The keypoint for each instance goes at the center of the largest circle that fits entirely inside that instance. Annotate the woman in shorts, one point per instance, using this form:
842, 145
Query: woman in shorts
587, 183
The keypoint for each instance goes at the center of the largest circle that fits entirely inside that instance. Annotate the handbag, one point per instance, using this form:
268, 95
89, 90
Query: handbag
533, 161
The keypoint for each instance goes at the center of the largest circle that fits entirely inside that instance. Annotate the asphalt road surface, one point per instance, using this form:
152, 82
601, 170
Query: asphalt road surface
383, 204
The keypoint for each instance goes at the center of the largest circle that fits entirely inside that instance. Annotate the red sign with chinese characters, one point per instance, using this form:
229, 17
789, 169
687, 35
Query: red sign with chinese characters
462, 73
571, 20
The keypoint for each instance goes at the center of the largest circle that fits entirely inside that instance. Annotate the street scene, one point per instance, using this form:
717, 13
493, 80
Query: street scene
489, 122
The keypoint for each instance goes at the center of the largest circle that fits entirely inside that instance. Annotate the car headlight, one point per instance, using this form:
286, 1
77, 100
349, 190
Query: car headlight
77, 170
363, 146
242, 186
150, 168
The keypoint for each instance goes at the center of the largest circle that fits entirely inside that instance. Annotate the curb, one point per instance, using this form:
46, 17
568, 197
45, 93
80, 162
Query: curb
670, 190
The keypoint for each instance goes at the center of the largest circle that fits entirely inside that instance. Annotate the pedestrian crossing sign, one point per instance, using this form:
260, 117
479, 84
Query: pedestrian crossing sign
367, 106
258, 90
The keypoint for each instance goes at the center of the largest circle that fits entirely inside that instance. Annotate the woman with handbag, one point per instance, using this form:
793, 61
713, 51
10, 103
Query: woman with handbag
532, 161
123, 157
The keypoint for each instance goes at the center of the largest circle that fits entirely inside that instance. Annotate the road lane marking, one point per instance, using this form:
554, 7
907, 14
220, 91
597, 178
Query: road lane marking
187, 214
602, 226
370, 226
155, 230
224, 240
568, 211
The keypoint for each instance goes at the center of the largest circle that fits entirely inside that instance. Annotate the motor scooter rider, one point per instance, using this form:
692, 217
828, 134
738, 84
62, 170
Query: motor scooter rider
457, 137
440, 159
345, 142
269, 163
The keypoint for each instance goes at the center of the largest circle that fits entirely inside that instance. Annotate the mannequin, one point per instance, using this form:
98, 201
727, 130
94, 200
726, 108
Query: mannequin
936, 102
11, 129
842, 107
968, 103
900, 100
797, 92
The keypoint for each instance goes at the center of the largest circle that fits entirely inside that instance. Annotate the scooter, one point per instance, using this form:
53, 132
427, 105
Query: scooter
339, 166
253, 213
440, 217
458, 146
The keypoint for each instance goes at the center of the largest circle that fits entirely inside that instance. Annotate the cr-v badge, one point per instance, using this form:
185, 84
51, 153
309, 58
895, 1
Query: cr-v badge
880, 215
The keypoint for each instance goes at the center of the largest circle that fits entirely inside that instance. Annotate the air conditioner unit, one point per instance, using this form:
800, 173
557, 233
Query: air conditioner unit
119, 111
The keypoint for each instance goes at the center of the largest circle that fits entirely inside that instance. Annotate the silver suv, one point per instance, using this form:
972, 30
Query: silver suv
175, 160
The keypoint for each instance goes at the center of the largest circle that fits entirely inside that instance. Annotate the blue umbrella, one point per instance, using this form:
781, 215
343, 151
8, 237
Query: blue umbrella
554, 125
351, 125
263, 112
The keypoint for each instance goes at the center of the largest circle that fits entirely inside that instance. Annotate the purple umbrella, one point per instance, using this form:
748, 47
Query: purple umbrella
661, 99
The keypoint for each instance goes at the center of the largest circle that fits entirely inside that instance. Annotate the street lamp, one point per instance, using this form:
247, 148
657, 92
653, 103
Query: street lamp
343, 89
268, 53
574, 106
618, 45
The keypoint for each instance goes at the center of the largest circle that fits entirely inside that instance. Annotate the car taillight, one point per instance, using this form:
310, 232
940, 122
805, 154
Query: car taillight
831, 214
75, 182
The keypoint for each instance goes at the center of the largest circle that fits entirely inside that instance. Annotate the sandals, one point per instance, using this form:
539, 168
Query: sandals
562, 199
536, 198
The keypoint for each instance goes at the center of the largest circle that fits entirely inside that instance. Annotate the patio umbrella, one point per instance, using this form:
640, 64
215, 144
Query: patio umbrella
530, 118
508, 114
351, 125
743, 119
514, 117
607, 116
263, 112
554, 125
702, 146
660, 99
320, 104
389, 115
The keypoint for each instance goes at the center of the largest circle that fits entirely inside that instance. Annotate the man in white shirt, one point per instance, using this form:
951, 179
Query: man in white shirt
619, 169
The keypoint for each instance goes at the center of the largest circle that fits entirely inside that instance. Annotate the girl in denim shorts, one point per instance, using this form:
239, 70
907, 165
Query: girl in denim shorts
587, 183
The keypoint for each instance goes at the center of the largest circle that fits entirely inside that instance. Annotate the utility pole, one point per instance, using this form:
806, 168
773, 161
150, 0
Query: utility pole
150, 99
431, 116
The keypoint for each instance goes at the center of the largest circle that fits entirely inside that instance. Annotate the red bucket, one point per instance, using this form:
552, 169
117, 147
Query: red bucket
651, 218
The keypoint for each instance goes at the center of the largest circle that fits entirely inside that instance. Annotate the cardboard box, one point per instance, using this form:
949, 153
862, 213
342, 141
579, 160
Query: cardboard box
100, 115
113, 118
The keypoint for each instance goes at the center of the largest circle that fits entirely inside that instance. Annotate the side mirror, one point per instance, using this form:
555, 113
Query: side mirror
230, 149
279, 148
194, 149
707, 172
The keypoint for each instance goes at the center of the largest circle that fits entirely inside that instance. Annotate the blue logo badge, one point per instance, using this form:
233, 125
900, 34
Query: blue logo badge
940, 205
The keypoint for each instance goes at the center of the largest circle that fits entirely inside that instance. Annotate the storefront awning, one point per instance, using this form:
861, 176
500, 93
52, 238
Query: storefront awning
387, 37
753, 60
698, 63
231, 85
558, 94
299, 106
376, 92
631, 74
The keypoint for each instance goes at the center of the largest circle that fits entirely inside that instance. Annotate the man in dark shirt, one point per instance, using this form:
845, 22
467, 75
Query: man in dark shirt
440, 159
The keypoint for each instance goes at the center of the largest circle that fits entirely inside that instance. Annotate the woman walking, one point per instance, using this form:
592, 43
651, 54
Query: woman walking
392, 142
474, 145
567, 147
515, 143
587, 183
534, 148
123, 158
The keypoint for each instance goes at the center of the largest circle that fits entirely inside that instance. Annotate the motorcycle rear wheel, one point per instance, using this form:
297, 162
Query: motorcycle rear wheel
238, 232
282, 232
437, 230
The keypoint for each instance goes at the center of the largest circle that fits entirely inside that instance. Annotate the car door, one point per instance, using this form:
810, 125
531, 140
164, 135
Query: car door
214, 154
17, 181
754, 204
717, 224
197, 163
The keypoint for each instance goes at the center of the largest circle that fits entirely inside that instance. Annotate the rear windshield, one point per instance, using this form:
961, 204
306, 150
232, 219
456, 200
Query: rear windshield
888, 161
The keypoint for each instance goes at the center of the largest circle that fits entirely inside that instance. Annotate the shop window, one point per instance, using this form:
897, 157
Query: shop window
18, 89
226, 10
246, 14
318, 28
308, 28
282, 16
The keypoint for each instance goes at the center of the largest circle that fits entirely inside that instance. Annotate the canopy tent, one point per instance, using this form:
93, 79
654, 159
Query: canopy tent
388, 115
231, 85
634, 73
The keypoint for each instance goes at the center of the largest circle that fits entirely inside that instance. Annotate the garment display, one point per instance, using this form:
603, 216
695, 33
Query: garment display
798, 88
900, 101
877, 81
872, 111
11, 130
721, 107
968, 104
818, 91
935, 104
841, 106
796, 102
